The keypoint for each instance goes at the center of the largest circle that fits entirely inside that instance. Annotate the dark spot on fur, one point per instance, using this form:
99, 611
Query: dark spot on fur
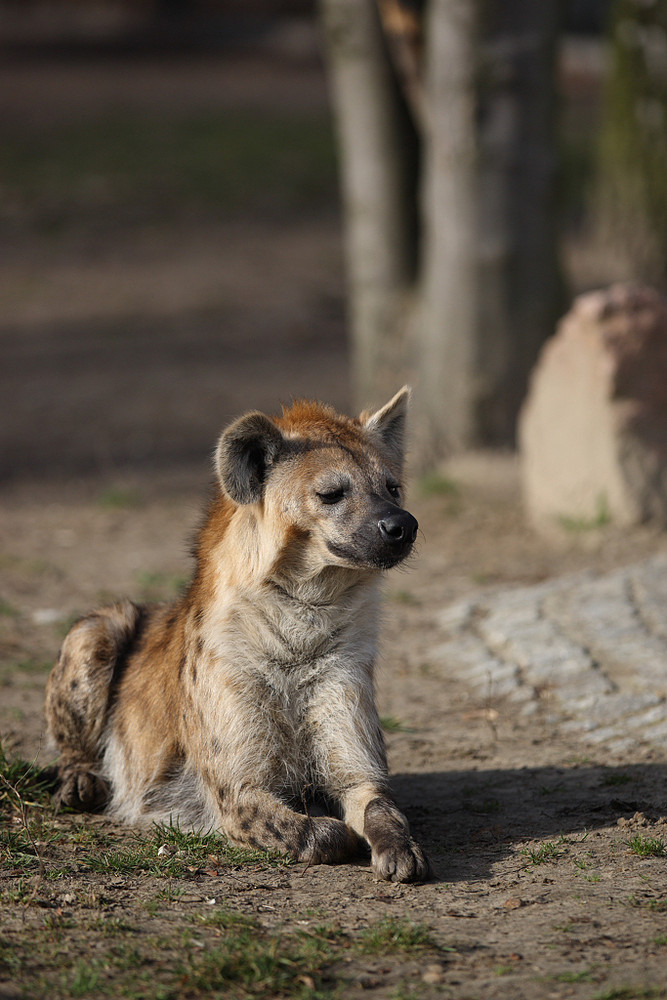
216, 746
194, 671
200, 645
74, 685
181, 666
273, 831
77, 718
221, 794
245, 825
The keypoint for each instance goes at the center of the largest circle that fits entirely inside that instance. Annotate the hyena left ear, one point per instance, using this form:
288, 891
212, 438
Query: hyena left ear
245, 453
387, 425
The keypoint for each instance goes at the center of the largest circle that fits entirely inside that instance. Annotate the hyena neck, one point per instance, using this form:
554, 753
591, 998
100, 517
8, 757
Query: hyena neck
331, 587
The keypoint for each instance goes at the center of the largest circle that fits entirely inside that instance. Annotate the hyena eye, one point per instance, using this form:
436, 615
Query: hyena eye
332, 496
394, 490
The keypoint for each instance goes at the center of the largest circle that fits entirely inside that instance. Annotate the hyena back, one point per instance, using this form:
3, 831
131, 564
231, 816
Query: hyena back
249, 702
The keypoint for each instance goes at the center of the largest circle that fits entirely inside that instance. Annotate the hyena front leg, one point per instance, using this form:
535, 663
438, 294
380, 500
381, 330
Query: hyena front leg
255, 817
77, 700
395, 855
352, 754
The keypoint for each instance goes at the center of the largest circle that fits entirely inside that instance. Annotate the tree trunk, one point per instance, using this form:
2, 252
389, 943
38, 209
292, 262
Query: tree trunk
519, 277
631, 195
469, 325
377, 160
448, 322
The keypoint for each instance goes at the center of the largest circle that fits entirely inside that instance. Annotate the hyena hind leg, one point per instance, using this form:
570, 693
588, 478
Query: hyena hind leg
78, 698
258, 819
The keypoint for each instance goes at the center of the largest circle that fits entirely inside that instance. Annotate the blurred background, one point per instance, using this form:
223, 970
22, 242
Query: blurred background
214, 205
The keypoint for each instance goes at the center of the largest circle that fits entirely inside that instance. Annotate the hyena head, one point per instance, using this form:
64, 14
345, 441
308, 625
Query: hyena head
327, 486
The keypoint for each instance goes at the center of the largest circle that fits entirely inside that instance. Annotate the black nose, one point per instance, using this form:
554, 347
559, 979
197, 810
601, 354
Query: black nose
398, 529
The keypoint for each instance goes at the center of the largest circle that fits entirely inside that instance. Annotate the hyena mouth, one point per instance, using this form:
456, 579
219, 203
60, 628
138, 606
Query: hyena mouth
377, 557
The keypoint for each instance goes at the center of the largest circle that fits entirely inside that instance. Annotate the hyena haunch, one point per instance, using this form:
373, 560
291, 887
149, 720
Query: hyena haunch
249, 703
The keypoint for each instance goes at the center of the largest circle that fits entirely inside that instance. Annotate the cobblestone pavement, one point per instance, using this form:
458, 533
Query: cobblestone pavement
590, 651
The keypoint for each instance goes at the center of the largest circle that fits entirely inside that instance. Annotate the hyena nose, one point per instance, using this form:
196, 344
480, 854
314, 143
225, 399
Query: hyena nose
398, 529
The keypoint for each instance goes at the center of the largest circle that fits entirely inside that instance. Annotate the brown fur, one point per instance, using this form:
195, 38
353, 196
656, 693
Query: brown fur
250, 701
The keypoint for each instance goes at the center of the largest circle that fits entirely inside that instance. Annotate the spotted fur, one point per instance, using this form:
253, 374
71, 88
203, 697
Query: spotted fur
248, 705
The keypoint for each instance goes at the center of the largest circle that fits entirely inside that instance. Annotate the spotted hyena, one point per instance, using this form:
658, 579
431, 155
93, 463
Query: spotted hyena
247, 706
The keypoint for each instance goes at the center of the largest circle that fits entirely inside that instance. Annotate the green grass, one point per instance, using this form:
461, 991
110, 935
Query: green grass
404, 597
156, 585
614, 780
133, 168
189, 850
23, 783
577, 525
654, 904
392, 724
118, 498
547, 852
647, 847
584, 976
251, 962
393, 934
435, 484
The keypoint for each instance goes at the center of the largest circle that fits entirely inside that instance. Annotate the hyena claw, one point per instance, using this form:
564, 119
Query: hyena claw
81, 790
403, 862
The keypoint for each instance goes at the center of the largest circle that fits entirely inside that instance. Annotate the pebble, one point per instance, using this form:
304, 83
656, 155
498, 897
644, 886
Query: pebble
433, 973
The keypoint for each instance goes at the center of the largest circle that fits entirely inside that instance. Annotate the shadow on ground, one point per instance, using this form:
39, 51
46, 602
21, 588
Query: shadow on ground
469, 820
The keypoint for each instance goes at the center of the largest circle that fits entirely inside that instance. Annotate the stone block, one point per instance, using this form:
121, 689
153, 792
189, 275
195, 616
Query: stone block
593, 429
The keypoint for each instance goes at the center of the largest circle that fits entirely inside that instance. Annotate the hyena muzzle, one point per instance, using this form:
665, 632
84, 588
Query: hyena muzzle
247, 706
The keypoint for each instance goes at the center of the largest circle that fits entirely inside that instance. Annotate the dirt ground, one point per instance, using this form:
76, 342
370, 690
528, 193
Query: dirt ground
538, 893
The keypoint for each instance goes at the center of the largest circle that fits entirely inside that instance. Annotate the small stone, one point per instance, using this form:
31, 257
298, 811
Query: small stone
513, 903
47, 616
433, 973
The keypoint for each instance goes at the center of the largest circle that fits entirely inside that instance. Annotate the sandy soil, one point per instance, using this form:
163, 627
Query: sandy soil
482, 786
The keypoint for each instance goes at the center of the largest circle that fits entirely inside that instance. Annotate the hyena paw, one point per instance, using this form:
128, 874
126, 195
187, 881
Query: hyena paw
326, 841
81, 790
401, 861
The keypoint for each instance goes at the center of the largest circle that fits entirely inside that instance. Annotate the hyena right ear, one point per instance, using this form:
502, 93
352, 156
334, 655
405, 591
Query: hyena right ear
387, 425
246, 450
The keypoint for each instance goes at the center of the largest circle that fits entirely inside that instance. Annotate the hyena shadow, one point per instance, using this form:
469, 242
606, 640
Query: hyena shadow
470, 820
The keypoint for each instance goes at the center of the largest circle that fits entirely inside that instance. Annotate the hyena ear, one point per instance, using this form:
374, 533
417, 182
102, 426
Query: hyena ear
387, 425
246, 451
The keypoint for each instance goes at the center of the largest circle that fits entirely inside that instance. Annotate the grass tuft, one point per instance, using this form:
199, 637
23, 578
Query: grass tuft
647, 847
547, 852
395, 934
